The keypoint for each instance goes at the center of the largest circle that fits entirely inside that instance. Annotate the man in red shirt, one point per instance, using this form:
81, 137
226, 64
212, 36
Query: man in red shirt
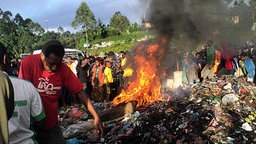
48, 74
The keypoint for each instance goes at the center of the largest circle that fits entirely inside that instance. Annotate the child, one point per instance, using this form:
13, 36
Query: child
108, 80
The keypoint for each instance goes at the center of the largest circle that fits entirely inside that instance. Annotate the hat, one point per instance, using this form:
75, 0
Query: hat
102, 54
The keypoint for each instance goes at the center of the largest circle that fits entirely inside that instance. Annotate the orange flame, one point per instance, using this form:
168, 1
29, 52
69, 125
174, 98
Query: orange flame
145, 88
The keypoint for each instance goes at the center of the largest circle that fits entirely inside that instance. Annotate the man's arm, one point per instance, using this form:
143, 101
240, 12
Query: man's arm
87, 102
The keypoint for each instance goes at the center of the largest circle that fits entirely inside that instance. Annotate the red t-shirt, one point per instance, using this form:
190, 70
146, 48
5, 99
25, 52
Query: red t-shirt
49, 84
228, 65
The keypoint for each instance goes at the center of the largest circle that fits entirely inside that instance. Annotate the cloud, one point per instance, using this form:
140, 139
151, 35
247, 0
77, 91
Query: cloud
59, 13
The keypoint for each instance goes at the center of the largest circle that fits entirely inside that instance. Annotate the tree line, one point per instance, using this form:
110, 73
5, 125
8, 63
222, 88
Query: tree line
24, 35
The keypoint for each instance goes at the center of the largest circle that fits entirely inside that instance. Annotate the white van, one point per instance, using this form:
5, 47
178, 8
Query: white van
23, 55
74, 53
37, 51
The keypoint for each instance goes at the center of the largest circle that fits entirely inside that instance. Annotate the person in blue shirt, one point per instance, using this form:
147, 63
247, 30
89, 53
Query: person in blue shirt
249, 66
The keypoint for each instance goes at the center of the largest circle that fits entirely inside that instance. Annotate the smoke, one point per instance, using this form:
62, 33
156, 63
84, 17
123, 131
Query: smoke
188, 24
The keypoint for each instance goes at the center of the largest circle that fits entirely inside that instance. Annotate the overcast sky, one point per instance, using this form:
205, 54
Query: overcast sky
55, 13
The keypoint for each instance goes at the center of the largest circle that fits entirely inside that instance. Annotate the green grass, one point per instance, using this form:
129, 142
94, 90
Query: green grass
115, 48
122, 37
122, 42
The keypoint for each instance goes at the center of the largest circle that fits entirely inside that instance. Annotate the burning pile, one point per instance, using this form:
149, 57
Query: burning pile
145, 87
217, 111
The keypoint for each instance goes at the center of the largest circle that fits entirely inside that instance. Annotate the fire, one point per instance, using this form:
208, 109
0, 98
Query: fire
145, 87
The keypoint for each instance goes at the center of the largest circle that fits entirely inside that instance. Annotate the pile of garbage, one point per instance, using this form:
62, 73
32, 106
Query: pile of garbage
214, 111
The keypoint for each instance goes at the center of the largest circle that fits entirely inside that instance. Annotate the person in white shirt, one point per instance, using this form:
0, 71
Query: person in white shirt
28, 109
72, 64
28, 105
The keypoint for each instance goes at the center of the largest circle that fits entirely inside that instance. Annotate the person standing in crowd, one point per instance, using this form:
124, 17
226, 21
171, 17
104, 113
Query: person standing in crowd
118, 78
111, 56
48, 74
83, 74
199, 61
122, 57
202, 56
208, 71
249, 66
218, 56
227, 65
191, 70
241, 71
28, 107
183, 67
13, 68
72, 64
6, 99
97, 80
108, 80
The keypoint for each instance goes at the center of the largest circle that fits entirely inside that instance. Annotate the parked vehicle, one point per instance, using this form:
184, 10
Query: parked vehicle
74, 53
23, 55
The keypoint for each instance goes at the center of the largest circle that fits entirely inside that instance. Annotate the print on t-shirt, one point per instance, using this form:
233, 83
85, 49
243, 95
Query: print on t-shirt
45, 87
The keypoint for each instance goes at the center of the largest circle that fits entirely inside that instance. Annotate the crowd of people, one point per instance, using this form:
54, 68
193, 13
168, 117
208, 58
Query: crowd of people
39, 83
51, 79
101, 76
214, 61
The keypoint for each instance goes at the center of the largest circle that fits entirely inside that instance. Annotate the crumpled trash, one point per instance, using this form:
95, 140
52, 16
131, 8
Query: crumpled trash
75, 113
246, 127
228, 86
229, 99
74, 141
76, 129
180, 94
93, 136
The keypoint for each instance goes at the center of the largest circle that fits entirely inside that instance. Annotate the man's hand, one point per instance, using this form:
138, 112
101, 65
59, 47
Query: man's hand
99, 126
87, 102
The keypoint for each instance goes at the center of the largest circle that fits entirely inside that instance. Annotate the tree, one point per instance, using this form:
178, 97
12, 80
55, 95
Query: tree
119, 22
34, 28
60, 30
101, 30
8, 32
85, 19
19, 20
25, 41
133, 28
